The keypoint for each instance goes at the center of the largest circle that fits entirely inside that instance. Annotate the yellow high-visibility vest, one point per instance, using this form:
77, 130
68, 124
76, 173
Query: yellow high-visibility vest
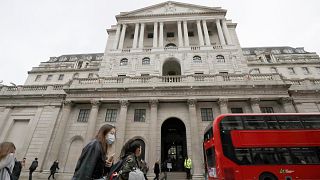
187, 163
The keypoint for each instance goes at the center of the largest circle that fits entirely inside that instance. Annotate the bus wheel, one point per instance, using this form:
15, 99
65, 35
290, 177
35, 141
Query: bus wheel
267, 176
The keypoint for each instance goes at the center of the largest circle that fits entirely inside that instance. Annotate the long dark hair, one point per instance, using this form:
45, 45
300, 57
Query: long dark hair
130, 147
6, 148
101, 136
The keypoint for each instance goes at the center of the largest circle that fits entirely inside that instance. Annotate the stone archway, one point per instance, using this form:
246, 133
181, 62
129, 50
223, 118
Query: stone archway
171, 67
173, 143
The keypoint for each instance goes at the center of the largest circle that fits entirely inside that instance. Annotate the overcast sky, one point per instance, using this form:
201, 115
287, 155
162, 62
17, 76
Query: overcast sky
31, 31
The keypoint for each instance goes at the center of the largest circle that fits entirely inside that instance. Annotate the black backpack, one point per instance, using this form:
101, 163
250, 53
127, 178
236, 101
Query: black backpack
115, 169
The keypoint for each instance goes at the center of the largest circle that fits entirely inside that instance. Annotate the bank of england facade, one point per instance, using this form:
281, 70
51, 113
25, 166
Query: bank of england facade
167, 71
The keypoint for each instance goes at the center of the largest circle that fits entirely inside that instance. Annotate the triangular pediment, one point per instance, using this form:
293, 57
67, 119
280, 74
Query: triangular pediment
171, 7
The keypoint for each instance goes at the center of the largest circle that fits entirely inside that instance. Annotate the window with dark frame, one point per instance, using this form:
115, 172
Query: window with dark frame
190, 34
124, 62
236, 110
83, 115
206, 114
267, 110
49, 78
61, 76
150, 35
170, 34
220, 59
38, 78
145, 61
111, 115
139, 115
197, 59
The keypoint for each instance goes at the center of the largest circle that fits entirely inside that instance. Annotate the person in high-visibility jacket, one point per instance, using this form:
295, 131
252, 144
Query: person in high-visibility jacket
188, 166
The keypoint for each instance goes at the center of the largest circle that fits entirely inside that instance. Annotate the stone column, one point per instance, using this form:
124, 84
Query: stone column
116, 41
153, 157
121, 125
161, 35
180, 34
220, 33
223, 103
92, 121
206, 33
141, 37
185, 32
155, 34
123, 34
255, 105
196, 147
199, 29
287, 103
56, 147
135, 37
226, 31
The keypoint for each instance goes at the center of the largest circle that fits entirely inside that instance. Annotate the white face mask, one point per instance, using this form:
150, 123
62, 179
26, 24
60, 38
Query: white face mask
110, 138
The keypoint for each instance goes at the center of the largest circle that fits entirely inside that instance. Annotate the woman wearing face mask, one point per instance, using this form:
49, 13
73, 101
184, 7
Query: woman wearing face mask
7, 150
93, 162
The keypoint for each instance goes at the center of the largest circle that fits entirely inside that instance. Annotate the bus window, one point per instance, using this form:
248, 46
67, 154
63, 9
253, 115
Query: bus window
208, 135
289, 122
255, 122
243, 156
310, 122
211, 162
231, 123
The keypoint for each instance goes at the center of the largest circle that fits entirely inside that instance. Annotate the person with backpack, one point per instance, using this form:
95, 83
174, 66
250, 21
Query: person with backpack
16, 170
33, 167
93, 162
7, 150
53, 169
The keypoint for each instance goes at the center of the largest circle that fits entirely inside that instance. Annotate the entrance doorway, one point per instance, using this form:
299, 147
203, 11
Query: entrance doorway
173, 143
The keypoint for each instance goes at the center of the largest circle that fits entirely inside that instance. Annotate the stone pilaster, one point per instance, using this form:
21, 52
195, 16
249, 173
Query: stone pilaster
223, 103
255, 105
196, 147
226, 32
161, 35
92, 121
155, 34
180, 34
4, 119
153, 154
141, 37
287, 103
206, 33
121, 125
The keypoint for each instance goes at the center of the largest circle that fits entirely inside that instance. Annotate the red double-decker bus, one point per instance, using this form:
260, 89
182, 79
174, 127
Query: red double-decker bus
263, 147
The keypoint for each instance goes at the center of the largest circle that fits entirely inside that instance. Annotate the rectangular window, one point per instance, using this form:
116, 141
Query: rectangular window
38, 78
210, 33
139, 115
291, 70
131, 36
150, 35
170, 34
190, 34
83, 115
305, 70
267, 110
145, 74
49, 78
236, 110
61, 77
268, 58
111, 115
206, 114
318, 70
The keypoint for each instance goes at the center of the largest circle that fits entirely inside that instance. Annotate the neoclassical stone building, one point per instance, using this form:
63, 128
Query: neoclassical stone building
167, 71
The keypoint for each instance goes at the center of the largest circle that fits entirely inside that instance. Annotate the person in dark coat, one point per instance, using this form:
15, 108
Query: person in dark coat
16, 170
93, 162
156, 170
33, 167
53, 169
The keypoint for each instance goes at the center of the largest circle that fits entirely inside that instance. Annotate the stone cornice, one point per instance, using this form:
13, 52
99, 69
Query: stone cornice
62, 70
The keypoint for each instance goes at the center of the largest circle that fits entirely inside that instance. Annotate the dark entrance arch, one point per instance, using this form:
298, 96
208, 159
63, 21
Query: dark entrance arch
173, 143
171, 67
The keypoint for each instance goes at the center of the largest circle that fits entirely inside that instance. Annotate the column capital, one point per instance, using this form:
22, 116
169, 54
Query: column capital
254, 100
153, 102
95, 102
67, 103
286, 100
192, 102
223, 101
124, 103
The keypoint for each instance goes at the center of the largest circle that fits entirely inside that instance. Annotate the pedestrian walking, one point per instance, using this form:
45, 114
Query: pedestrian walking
93, 162
33, 167
53, 169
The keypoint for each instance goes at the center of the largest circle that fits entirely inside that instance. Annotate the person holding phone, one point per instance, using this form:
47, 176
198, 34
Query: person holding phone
93, 162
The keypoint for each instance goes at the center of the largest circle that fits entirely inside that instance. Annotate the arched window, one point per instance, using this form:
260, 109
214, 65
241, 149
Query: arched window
273, 70
220, 58
124, 62
171, 45
145, 61
197, 59
254, 71
76, 75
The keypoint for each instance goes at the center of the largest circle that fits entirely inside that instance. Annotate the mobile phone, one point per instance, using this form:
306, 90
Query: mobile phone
111, 157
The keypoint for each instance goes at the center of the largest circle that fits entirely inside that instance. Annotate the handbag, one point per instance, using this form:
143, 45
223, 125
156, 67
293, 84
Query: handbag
136, 174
